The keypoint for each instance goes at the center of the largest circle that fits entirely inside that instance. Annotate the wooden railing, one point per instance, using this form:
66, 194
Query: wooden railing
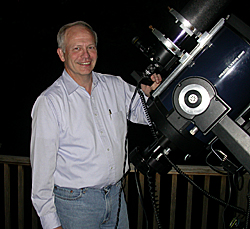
184, 206
181, 205
16, 201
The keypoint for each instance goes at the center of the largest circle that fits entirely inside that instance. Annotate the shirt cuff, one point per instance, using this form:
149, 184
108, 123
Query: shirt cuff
50, 221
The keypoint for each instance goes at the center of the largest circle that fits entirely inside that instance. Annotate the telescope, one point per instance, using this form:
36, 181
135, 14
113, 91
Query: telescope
205, 93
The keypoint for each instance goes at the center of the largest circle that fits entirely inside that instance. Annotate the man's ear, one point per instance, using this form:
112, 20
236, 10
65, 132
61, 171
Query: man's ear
61, 54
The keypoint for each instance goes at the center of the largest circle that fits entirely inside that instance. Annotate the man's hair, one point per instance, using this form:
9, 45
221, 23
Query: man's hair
63, 29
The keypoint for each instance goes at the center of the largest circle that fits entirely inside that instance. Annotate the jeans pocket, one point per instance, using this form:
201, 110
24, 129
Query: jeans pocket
68, 193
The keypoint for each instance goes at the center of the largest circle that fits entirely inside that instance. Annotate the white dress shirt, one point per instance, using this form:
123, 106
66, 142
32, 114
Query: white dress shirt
78, 139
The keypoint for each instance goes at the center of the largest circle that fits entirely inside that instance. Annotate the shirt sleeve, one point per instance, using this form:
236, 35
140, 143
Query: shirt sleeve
134, 104
43, 153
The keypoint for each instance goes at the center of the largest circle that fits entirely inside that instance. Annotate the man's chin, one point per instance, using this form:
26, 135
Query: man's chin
85, 70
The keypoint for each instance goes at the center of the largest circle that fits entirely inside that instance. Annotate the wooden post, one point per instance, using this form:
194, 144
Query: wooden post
140, 209
205, 203
222, 197
7, 196
20, 197
189, 204
173, 201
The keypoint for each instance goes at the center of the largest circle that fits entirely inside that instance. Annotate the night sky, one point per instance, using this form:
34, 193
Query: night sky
30, 64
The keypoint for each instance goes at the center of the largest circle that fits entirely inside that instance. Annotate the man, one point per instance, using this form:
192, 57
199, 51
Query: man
78, 138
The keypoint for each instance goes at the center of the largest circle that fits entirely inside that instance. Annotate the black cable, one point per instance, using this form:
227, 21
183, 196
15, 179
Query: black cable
147, 115
237, 209
156, 208
125, 159
121, 188
213, 167
238, 179
150, 178
154, 198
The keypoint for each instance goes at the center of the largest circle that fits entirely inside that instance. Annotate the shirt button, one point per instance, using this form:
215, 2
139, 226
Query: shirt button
108, 149
111, 168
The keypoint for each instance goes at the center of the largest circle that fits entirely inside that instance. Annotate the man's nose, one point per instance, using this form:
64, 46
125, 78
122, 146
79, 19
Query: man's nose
85, 53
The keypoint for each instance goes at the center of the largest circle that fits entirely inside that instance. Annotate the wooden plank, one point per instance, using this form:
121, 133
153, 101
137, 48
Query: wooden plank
222, 197
7, 196
18, 160
205, 203
20, 197
140, 209
189, 204
173, 202
193, 170
196, 170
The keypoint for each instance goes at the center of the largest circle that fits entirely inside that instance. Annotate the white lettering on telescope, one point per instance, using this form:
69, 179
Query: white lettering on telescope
232, 64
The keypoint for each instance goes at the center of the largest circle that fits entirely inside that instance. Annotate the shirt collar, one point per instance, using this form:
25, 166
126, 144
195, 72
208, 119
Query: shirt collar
72, 85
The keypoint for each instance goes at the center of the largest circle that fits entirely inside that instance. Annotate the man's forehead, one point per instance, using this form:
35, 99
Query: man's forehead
78, 32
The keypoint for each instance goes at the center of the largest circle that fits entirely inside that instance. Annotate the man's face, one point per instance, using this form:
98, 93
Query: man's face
80, 52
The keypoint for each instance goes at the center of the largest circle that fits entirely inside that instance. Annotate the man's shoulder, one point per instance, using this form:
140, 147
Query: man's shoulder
52, 95
55, 89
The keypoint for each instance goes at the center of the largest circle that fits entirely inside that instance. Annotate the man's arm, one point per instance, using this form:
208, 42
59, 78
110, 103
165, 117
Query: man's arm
135, 106
43, 152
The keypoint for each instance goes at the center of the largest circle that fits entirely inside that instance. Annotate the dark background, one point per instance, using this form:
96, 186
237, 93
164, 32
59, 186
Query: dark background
29, 62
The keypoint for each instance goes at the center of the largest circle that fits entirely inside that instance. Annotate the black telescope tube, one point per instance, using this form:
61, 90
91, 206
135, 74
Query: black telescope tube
202, 14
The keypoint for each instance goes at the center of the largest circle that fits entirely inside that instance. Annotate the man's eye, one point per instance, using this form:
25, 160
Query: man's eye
76, 48
92, 47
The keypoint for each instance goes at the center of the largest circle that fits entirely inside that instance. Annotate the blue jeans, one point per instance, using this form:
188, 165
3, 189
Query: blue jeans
90, 208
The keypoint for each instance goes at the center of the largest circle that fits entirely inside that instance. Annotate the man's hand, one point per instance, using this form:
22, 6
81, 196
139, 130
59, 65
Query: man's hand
156, 78
59, 227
